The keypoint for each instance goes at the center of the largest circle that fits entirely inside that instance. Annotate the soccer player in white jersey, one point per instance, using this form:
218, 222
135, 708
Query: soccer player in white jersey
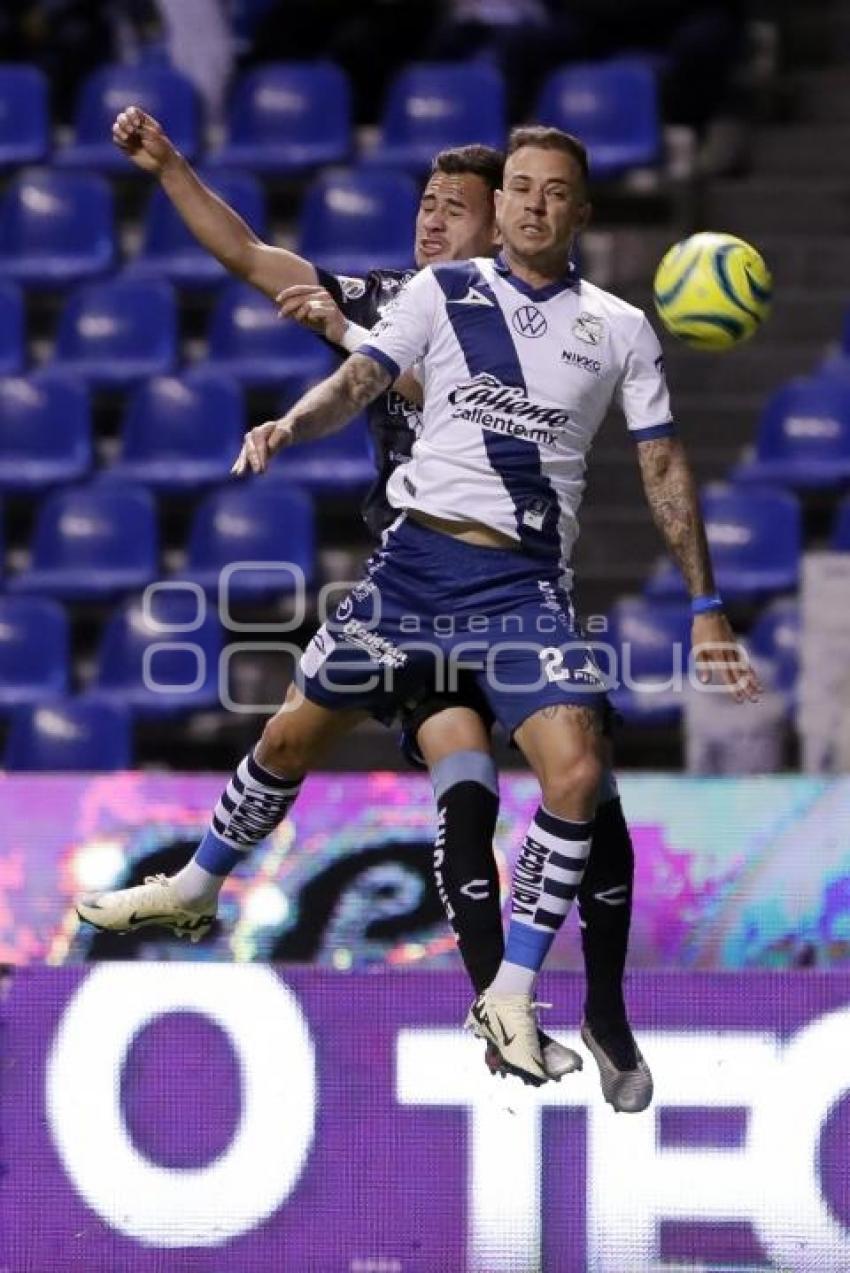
519, 360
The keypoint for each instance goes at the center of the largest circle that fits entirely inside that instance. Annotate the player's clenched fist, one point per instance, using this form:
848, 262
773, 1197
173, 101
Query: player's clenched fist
260, 445
143, 140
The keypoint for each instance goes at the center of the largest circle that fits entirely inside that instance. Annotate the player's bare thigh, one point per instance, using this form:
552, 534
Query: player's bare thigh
299, 736
565, 746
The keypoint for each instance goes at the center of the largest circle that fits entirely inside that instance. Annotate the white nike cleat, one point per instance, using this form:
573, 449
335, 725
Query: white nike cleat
508, 1021
626, 1079
558, 1060
127, 909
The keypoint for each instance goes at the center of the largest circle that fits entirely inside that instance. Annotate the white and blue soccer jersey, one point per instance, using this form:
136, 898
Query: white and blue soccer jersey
516, 381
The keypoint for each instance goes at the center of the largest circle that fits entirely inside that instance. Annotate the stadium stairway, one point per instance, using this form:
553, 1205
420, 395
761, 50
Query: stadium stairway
794, 205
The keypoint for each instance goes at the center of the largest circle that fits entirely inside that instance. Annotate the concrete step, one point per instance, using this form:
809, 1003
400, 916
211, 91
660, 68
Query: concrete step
801, 150
821, 95
798, 316
755, 368
756, 206
817, 263
817, 33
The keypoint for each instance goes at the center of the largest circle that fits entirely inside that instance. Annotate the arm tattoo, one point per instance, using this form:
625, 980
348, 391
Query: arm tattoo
329, 405
672, 497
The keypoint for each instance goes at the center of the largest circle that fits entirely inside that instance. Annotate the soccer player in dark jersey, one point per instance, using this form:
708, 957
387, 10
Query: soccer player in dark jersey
451, 733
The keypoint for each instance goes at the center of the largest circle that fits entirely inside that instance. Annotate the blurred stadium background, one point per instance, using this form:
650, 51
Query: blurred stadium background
207, 1117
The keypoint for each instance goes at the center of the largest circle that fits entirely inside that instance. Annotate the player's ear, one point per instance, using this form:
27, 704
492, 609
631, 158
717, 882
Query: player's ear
585, 213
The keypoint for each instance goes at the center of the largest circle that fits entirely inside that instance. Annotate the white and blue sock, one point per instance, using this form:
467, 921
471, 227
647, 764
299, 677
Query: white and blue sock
253, 803
546, 878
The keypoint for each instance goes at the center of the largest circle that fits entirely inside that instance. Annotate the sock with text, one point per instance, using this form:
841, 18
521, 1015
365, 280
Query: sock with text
546, 878
467, 792
252, 805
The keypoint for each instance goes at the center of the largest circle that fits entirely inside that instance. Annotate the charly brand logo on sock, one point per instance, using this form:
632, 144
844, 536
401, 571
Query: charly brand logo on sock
476, 890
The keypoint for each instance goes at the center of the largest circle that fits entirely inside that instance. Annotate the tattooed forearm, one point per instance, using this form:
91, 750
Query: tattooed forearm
329, 405
672, 496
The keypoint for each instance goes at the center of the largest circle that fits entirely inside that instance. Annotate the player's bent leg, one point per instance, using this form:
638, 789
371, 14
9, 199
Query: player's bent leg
254, 802
604, 903
454, 743
563, 745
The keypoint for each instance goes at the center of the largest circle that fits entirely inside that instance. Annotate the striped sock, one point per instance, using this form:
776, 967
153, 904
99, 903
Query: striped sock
252, 804
546, 879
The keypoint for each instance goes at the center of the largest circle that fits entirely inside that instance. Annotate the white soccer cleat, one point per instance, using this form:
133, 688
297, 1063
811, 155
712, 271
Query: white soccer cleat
626, 1084
558, 1060
127, 909
508, 1022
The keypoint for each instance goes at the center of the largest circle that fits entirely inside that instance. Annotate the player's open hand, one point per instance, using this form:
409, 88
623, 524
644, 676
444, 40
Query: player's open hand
260, 445
143, 140
313, 306
721, 658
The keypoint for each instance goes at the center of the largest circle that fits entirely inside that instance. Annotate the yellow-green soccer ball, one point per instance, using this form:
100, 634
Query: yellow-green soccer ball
712, 290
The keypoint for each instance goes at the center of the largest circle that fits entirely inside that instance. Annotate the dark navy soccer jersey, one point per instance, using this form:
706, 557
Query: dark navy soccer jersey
393, 421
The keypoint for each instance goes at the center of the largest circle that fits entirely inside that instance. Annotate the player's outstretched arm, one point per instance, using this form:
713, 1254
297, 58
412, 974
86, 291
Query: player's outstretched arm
325, 408
314, 307
671, 493
213, 222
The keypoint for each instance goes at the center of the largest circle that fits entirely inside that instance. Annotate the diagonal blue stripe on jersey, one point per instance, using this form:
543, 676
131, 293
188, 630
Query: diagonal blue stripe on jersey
488, 348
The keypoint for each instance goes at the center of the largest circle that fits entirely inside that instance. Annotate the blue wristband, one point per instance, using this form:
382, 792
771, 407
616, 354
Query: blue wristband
705, 605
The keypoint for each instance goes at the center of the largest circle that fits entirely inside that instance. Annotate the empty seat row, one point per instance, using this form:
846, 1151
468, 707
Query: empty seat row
157, 658
178, 433
148, 665
58, 227
290, 117
100, 540
115, 333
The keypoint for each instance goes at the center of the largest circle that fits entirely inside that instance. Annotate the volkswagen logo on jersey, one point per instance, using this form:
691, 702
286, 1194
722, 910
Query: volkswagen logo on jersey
529, 321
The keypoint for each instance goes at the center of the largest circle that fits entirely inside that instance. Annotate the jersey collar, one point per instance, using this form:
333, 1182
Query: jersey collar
568, 280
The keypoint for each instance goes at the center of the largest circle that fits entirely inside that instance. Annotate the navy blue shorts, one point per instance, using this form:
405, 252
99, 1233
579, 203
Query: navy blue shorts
431, 611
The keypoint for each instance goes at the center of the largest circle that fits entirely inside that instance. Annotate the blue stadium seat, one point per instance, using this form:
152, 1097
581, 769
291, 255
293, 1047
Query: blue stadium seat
334, 465
287, 117
432, 105
34, 643
357, 220
45, 433
803, 437
78, 734
260, 521
170, 251
840, 538
116, 332
160, 660
775, 637
652, 643
92, 542
164, 93
248, 340
12, 330
754, 534
180, 432
24, 115
56, 228
612, 106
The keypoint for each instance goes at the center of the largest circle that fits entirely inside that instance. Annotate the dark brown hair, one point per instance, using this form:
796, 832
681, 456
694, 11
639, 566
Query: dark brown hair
549, 139
481, 161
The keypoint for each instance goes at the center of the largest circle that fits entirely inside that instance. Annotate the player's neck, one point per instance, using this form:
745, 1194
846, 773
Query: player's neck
537, 271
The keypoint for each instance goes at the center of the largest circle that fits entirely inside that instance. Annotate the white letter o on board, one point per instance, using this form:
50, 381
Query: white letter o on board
168, 1207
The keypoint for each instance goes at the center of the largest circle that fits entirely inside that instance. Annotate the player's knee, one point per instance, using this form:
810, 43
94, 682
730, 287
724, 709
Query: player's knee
283, 748
573, 785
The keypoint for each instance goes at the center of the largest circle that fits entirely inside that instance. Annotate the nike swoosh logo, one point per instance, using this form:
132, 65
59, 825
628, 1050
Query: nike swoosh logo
507, 1039
188, 926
